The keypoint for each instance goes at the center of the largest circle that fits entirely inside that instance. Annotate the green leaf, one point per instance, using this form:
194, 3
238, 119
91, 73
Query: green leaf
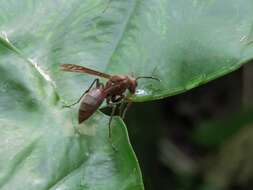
183, 43
43, 147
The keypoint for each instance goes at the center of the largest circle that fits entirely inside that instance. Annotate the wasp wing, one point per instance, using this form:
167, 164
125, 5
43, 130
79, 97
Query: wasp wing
81, 69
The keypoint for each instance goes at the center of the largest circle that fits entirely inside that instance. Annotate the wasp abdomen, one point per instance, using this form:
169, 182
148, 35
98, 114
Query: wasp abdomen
90, 104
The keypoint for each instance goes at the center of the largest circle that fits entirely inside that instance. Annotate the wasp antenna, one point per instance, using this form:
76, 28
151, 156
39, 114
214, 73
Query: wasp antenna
148, 77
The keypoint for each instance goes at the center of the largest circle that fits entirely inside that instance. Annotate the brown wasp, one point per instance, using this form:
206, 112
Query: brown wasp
113, 91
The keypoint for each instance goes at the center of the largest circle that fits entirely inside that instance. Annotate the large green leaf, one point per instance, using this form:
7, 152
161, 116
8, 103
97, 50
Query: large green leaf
43, 147
183, 43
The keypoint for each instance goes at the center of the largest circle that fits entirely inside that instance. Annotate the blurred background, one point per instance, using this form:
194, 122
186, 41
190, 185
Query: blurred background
198, 140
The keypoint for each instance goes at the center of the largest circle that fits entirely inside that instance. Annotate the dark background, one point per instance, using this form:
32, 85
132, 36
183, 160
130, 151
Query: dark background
199, 140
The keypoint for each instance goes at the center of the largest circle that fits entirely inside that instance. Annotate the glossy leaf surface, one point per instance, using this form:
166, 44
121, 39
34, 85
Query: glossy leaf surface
183, 43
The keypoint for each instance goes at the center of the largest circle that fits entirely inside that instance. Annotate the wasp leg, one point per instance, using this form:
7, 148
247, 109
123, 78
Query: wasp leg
118, 99
113, 101
92, 84
123, 113
121, 108
114, 106
110, 120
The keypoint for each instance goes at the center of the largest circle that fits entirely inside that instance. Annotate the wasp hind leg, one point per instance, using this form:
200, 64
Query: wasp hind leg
110, 121
112, 104
96, 81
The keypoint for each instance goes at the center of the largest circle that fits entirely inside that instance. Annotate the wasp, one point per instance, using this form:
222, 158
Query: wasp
113, 92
